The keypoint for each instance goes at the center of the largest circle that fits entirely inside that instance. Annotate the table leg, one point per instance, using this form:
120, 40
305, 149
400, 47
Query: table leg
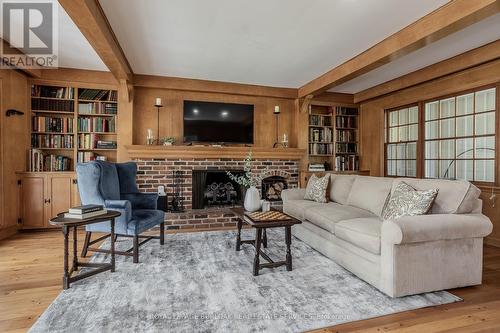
288, 236
258, 238
112, 245
264, 238
75, 255
238, 237
66, 274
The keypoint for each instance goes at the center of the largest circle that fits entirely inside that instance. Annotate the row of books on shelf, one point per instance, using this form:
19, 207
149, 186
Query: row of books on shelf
91, 141
52, 124
346, 148
346, 135
96, 125
346, 163
346, 122
52, 140
346, 111
86, 156
320, 148
319, 120
320, 135
52, 92
97, 108
52, 105
97, 95
38, 161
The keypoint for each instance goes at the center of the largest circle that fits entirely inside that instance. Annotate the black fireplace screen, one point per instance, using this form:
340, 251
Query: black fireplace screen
213, 188
272, 187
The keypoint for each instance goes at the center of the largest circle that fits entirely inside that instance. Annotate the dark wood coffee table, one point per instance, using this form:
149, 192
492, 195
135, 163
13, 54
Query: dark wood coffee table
261, 238
66, 224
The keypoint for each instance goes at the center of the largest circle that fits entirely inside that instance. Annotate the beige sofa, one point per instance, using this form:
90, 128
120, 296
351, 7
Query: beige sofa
410, 255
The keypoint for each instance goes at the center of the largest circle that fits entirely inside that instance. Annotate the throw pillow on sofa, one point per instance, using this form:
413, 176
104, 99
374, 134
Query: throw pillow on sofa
316, 188
406, 201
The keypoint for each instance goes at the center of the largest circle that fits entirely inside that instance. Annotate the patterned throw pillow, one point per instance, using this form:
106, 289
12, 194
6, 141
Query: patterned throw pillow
406, 201
316, 188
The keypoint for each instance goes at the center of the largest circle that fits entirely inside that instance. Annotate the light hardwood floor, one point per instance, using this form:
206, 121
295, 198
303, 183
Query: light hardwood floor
31, 270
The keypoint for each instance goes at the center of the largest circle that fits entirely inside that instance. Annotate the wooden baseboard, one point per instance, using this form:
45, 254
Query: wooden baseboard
8, 231
492, 241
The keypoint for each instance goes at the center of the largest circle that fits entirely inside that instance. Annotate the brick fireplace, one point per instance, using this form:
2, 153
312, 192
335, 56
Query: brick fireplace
153, 172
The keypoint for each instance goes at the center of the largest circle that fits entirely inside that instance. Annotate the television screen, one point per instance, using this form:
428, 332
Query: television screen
218, 122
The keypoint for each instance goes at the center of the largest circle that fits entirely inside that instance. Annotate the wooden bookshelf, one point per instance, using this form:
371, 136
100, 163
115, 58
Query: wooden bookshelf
333, 136
61, 116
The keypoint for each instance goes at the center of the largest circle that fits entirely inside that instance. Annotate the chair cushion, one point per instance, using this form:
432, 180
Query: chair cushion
327, 215
144, 219
454, 196
362, 232
370, 193
340, 186
297, 208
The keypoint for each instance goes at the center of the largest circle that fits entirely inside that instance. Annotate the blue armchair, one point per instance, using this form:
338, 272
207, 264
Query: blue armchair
113, 185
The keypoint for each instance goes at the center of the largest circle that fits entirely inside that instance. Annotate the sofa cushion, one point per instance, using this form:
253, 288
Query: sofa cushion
340, 186
454, 196
370, 193
362, 232
297, 208
326, 215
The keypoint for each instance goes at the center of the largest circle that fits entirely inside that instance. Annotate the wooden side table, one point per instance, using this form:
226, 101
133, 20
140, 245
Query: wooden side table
261, 239
66, 224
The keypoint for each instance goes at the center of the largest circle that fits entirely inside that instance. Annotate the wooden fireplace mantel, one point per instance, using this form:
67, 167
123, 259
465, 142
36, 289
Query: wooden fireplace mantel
188, 152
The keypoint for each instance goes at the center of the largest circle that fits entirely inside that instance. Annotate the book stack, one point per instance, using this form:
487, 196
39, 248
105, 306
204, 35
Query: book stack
85, 212
101, 144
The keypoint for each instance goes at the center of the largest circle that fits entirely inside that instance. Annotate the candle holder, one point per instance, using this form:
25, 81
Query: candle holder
277, 112
158, 105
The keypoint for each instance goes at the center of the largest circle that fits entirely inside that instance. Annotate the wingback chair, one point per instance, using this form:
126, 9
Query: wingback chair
113, 185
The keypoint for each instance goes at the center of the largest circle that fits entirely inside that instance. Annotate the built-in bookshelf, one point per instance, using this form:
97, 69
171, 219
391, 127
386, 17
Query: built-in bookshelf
346, 139
71, 125
333, 137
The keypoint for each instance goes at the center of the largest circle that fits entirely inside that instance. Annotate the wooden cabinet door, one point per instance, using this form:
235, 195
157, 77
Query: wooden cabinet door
33, 202
60, 193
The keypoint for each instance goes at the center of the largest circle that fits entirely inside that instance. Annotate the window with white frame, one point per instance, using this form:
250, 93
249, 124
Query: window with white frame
401, 142
460, 137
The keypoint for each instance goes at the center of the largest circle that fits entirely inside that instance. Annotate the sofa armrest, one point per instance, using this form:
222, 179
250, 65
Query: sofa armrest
293, 194
141, 200
433, 227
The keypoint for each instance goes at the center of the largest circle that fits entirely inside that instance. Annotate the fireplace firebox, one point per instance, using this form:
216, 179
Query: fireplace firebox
214, 188
272, 187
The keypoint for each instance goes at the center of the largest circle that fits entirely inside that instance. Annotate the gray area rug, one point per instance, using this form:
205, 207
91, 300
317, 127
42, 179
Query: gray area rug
197, 282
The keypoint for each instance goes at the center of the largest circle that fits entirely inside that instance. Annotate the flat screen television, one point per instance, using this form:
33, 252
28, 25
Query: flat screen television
209, 122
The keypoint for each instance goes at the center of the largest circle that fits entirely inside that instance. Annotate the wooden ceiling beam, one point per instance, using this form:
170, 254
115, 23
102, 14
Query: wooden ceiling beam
90, 19
472, 58
452, 17
177, 83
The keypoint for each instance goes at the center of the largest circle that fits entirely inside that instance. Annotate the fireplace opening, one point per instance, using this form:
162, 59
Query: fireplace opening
214, 188
272, 186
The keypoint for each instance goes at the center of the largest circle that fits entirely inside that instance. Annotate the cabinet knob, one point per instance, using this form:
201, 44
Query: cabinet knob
47, 201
